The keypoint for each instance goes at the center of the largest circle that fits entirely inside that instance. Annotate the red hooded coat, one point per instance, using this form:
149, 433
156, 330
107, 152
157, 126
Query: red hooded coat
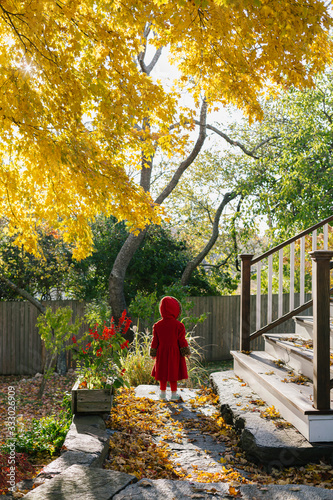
168, 338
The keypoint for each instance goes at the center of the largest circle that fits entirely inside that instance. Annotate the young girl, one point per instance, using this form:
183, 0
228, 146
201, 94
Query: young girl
169, 348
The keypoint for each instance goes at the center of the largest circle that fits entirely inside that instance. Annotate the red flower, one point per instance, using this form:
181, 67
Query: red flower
123, 371
88, 345
99, 352
74, 339
108, 332
124, 344
127, 324
122, 319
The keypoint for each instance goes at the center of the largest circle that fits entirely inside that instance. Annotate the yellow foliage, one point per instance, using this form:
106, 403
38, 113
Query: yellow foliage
73, 93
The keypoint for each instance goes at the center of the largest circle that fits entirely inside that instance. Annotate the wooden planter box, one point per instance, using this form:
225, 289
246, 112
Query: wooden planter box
91, 400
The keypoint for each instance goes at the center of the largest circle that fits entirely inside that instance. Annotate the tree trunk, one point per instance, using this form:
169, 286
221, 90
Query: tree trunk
193, 264
117, 276
48, 363
62, 362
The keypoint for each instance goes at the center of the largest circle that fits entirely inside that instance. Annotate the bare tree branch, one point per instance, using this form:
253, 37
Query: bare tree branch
24, 294
189, 160
154, 60
221, 264
141, 57
237, 143
204, 206
231, 141
215, 232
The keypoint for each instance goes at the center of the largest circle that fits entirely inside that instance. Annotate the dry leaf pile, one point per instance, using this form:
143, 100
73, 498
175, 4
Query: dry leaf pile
144, 428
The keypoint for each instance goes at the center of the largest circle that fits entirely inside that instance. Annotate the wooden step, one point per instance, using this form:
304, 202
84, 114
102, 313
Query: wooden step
293, 401
304, 327
292, 350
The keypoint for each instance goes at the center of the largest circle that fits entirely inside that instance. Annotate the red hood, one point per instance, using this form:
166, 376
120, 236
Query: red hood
170, 308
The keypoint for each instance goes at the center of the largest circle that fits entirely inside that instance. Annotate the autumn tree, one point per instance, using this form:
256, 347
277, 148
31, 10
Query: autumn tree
81, 112
210, 212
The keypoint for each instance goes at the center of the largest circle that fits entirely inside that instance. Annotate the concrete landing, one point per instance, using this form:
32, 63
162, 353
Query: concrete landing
270, 441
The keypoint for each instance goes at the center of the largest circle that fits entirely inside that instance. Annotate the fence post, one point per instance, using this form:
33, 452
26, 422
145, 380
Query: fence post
321, 328
245, 301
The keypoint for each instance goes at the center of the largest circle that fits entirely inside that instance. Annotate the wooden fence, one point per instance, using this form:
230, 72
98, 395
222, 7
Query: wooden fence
22, 353
21, 350
220, 333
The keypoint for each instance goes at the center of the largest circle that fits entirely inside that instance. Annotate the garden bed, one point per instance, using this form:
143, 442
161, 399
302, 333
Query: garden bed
27, 411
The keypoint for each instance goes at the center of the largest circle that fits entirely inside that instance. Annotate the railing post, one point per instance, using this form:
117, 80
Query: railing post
321, 328
245, 301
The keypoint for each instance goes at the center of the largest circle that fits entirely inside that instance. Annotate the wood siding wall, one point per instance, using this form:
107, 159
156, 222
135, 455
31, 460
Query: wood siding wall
22, 353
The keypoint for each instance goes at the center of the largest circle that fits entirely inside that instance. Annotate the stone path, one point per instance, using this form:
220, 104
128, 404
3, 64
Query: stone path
193, 449
196, 455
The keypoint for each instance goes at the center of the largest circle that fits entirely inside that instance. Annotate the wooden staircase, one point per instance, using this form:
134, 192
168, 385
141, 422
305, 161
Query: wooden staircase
295, 371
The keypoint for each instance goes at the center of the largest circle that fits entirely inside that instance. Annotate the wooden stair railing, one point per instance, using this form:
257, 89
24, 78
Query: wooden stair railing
321, 299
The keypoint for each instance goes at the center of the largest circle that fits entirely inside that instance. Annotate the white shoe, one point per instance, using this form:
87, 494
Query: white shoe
175, 396
162, 395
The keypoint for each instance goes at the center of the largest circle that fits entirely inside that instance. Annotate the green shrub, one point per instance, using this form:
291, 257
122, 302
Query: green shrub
145, 306
43, 436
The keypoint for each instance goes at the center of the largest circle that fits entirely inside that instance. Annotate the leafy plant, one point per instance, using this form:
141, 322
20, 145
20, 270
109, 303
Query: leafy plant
97, 311
55, 329
45, 435
99, 359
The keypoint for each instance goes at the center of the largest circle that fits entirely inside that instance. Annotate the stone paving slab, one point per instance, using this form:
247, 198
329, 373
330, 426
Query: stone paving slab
260, 438
69, 458
165, 489
82, 483
193, 449
86, 434
86, 444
